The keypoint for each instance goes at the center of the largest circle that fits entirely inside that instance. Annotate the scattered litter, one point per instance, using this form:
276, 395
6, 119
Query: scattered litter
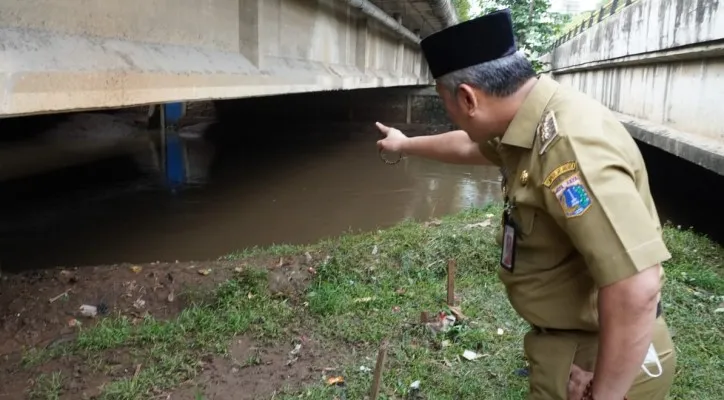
73, 323
400, 291
64, 294
238, 269
88, 311
719, 310
205, 272
250, 295
335, 380
137, 372
136, 269
365, 369
522, 372
396, 309
170, 297
293, 354
375, 250
308, 257
483, 224
489, 215
312, 271
442, 323
364, 299
455, 310
445, 343
434, 222
139, 303
500, 331
415, 391
471, 355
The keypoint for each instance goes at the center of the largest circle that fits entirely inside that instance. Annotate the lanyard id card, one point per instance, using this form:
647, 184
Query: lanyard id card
507, 255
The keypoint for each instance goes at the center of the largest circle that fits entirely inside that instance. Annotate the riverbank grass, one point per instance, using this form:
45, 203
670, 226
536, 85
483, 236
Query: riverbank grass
370, 287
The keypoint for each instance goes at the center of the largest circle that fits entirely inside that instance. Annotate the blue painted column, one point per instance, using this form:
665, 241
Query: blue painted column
172, 145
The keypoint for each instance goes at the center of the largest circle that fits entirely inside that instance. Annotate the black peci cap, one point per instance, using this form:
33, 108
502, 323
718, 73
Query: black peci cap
469, 43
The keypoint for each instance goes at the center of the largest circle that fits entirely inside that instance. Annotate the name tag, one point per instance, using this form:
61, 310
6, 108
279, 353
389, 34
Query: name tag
507, 255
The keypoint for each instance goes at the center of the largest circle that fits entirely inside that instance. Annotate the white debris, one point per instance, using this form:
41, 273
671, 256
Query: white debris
471, 355
88, 311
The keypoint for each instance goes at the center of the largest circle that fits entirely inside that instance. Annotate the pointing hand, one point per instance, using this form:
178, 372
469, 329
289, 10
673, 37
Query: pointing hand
393, 141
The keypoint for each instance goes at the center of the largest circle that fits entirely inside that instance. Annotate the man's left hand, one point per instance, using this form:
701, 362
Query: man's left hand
577, 382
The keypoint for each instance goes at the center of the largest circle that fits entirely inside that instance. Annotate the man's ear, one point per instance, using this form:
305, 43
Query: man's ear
467, 99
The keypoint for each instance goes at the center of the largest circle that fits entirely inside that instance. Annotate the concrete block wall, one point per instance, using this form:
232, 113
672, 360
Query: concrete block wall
83, 54
660, 65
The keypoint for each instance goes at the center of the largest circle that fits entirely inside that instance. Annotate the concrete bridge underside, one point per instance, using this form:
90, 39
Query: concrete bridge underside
68, 55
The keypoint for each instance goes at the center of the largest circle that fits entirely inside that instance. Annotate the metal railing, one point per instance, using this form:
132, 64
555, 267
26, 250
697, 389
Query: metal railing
580, 25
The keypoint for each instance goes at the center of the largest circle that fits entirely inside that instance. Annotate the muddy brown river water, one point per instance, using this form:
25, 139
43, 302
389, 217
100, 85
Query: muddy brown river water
254, 194
292, 186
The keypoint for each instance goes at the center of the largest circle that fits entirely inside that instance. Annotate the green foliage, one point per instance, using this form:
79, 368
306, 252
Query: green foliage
463, 9
536, 28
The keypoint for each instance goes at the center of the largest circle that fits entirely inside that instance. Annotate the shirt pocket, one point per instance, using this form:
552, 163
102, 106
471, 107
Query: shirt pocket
524, 217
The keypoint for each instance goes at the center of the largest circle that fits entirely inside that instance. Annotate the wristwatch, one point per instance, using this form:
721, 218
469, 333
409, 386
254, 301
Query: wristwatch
588, 393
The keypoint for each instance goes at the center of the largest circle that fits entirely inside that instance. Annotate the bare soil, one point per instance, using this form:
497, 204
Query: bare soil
35, 313
254, 372
28, 318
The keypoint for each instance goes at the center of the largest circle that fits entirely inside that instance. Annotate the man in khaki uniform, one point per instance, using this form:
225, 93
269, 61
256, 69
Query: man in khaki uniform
580, 237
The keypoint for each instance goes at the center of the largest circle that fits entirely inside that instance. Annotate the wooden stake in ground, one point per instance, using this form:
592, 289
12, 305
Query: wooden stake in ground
451, 266
377, 378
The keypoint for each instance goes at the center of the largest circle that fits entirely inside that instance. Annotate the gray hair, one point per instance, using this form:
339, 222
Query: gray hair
501, 77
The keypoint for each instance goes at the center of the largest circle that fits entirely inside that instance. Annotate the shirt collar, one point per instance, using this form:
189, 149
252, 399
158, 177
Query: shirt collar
521, 131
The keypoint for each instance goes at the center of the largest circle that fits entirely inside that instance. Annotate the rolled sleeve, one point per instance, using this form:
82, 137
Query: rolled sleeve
608, 215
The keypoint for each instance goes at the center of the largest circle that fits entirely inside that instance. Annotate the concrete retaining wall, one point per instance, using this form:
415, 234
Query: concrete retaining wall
85, 54
660, 62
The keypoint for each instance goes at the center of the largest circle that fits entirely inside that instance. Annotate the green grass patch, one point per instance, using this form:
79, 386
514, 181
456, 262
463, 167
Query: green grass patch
47, 387
373, 286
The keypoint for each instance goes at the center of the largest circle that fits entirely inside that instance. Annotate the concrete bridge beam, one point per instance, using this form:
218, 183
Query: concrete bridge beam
83, 54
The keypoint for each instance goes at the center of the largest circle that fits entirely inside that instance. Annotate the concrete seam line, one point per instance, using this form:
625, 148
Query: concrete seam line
376, 13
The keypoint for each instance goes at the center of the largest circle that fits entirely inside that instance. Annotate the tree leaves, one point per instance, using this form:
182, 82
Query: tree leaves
535, 27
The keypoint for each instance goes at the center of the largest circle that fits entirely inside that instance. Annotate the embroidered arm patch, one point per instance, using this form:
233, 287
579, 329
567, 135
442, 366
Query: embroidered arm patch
573, 196
560, 170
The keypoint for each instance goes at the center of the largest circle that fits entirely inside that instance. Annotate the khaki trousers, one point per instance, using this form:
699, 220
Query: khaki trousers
551, 353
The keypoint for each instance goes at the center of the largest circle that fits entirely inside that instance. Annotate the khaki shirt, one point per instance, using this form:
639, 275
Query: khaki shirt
581, 205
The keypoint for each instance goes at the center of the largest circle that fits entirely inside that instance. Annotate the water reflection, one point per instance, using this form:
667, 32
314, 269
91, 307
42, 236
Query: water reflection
297, 186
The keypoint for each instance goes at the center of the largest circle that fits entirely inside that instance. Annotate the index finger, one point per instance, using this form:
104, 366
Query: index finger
384, 129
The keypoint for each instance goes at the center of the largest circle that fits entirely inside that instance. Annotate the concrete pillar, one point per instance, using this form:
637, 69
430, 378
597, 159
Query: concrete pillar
362, 54
408, 112
250, 37
400, 56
